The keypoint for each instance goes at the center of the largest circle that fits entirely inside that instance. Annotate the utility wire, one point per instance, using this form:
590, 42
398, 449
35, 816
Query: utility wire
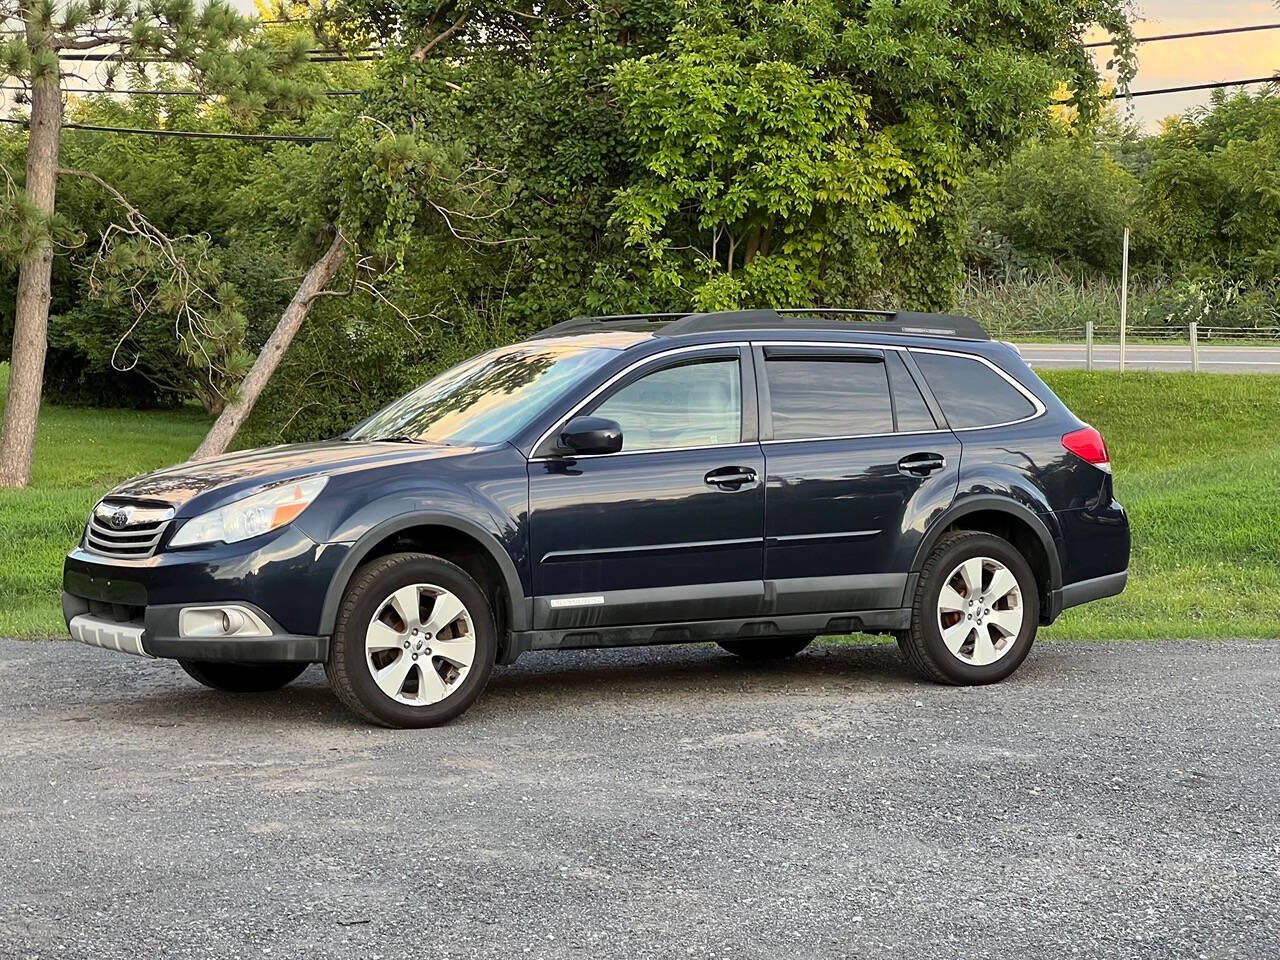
1192, 86
321, 57
163, 93
315, 138
1193, 33
191, 134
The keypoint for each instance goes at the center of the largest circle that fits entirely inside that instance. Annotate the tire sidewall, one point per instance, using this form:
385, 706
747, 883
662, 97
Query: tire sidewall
926, 612
354, 618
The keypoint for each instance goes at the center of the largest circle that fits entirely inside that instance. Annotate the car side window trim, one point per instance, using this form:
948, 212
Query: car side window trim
762, 389
855, 352
651, 364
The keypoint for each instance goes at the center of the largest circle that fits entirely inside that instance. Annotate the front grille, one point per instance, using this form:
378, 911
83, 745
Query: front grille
126, 531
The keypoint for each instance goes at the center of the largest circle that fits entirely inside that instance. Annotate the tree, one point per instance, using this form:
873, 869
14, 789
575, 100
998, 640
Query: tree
216, 44
812, 151
1061, 202
386, 181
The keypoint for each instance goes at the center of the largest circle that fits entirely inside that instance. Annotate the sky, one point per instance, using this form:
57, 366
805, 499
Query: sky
1174, 63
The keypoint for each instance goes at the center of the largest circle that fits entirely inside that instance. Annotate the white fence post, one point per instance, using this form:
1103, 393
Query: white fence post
1195, 348
1088, 345
1124, 296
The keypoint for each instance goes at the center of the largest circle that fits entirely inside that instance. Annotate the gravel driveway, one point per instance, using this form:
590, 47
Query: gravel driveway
1109, 801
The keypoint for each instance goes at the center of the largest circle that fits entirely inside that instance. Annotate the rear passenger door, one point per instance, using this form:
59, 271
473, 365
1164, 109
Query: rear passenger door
856, 467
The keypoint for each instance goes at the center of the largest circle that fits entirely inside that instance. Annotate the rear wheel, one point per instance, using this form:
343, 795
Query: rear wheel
242, 677
766, 648
414, 642
975, 611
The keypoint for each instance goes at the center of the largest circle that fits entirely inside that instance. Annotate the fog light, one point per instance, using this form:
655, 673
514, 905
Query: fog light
213, 622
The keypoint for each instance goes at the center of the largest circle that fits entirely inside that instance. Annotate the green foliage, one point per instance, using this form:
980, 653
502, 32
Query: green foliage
125, 325
1060, 202
1212, 189
810, 151
1201, 198
511, 165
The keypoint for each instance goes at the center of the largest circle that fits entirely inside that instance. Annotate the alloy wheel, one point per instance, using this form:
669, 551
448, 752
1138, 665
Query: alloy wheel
980, 611
420, 644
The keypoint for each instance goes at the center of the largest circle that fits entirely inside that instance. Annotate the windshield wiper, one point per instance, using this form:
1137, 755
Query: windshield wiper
403, 438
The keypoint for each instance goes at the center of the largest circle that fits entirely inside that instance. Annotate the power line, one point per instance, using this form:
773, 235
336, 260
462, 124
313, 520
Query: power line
1188, 87
316, 138
321, 57
164, 93
1194, 33
192, 134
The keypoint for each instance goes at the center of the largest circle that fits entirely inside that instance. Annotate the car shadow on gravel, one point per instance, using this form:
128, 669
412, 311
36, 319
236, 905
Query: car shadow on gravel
667, 677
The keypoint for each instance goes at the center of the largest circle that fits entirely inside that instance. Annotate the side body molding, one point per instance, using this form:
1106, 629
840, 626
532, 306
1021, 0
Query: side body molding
966, 505
519, 612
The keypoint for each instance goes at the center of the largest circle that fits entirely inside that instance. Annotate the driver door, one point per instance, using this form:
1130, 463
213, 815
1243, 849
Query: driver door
657, 532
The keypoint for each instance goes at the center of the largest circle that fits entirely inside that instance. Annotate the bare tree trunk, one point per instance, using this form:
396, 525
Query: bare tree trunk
237, 411
31, 321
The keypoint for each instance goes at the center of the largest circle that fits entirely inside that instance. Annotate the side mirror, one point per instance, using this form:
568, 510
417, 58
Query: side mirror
591, 435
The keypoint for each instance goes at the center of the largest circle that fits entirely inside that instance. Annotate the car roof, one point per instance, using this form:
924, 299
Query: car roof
807, 322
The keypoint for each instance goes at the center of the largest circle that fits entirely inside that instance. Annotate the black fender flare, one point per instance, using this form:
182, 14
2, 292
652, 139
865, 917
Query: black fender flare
1013, 508
519, 606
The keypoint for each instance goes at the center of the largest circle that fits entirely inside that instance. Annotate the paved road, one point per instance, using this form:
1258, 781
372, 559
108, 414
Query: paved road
1110, 801
1059, 356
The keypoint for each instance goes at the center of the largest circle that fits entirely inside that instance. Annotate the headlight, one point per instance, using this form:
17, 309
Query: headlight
252, 516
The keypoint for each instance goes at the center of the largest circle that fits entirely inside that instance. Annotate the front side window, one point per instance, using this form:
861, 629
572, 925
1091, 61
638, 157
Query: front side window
489, 398
815, 398
970, 392
696, 404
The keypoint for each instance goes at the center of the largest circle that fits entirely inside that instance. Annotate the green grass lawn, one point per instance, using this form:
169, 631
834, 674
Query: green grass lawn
1197, 461
1197, 464
80, 453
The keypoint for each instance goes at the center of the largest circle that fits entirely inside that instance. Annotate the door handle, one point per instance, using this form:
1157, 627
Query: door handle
730, 478
921, 464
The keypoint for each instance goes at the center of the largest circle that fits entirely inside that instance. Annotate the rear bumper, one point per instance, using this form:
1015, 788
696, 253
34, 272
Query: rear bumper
1086, 591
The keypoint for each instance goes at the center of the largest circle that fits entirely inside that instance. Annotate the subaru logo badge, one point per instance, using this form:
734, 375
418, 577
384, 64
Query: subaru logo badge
119, 519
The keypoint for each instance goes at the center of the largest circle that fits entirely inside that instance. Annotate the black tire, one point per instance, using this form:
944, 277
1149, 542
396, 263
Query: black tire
766, 648
234, 677
348, 669
922, 645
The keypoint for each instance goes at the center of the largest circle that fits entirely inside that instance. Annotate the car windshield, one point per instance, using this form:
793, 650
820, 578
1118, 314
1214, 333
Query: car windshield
489, 398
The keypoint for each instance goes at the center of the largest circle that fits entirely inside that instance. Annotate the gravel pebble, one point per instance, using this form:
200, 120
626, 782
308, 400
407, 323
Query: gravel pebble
1110, 800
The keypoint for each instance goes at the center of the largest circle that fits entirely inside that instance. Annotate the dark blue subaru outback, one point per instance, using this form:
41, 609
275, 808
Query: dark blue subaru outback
753, 478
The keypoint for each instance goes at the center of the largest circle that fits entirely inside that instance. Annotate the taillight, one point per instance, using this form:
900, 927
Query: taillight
1088, 445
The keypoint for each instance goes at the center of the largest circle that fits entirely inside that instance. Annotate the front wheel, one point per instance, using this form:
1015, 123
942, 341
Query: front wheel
414, 642
766, 648
975, 611
242, 677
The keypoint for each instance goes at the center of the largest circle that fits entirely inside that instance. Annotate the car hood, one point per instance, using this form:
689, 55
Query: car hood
233, 475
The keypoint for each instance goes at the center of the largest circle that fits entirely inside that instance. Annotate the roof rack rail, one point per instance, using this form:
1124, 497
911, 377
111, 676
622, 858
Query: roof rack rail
829, 318
617, 321
902, 322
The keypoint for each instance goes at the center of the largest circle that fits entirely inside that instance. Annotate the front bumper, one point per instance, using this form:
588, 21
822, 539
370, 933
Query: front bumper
156, 634
134, 606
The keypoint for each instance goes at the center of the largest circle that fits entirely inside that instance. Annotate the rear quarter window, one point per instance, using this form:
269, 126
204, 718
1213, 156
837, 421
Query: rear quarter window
970, 392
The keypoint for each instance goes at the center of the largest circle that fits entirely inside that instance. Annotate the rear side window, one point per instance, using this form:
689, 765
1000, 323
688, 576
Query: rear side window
813, 398
971, 393
912, 412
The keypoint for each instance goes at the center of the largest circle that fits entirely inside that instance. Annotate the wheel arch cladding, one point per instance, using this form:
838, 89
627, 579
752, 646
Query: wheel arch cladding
451, 538
1010, 521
